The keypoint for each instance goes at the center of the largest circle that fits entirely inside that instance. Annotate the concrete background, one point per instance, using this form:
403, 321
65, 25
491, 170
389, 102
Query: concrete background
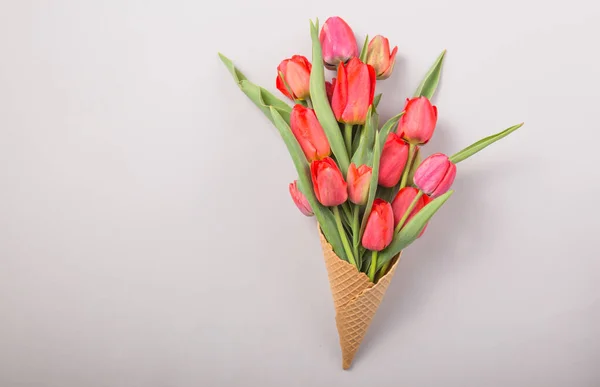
146, 233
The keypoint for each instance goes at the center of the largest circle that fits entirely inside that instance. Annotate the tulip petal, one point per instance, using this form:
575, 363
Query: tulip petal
340, 93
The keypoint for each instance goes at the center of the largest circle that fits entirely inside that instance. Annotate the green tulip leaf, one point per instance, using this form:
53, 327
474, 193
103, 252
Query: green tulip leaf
376, 100
365, 49
410, 232
432, 78
388, 127
321, 106
479, 145
413, 169
372, 186
323, 214
364, 152
260, 96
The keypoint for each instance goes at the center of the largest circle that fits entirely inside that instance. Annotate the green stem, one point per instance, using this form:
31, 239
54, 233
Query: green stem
409, 162
347, 211
348, 138
408, 211
383, 270
355, 229
343, 236
373, 267
309, 103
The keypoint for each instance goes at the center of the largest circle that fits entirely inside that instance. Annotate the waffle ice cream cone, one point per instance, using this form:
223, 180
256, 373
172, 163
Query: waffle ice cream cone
355, 299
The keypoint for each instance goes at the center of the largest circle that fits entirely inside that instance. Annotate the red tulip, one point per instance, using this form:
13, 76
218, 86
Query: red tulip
337, 42
378, 56
403, 200
354, 92
328, 182
435, 175
300, 200
293, 77
379, 231
418, 122
393, 160
309, 133
359, 180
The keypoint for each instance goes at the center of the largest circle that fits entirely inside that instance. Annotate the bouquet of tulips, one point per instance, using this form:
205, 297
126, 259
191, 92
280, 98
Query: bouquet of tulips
365, 184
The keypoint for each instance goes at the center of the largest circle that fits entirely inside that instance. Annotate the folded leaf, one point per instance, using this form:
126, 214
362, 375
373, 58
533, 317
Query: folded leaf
432, 78
409, 233
261, 97
388, 127
376, 100
321, 106
479, 145
364, 152
323, 214
365, 48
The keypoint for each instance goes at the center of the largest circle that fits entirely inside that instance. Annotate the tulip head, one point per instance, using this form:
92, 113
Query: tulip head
394, 157
435, 175
337, 42
354, 92
328, 182
378, 56
379, 231
403, 200
418, 122
300, 200
359, 180
293, 77
309, 133
329, 87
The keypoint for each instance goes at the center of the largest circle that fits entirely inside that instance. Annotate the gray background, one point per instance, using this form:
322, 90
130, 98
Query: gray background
147, 237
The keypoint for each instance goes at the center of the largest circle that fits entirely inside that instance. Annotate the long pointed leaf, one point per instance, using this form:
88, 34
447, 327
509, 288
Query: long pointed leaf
260, 96
364, 153
409, 233
432, 78
388, 127
479, 145
365, 48
372, 186
321, 105
323, 214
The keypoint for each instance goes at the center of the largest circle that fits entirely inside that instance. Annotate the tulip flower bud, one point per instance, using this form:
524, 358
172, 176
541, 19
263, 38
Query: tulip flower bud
418, 122
293, 77
309, 133
403, 200
300, 200
328, 182
394, 157
337, 42
435, 175
359, 180
378, 56
354, 92
379, 231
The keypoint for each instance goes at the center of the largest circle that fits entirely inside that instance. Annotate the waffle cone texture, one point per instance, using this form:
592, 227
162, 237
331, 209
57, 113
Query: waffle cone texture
355, 298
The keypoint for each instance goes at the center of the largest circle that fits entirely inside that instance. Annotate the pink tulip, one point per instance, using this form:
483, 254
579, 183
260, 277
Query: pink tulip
435, 175
379, 231
418, 122
293, 77
354, 92
328, 182
359, 180
300, 200
378, 56
337, 42
393, 160
309, 133
403, 200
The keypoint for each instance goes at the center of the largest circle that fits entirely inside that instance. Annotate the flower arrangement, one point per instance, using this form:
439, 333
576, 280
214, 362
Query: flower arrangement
365, 184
